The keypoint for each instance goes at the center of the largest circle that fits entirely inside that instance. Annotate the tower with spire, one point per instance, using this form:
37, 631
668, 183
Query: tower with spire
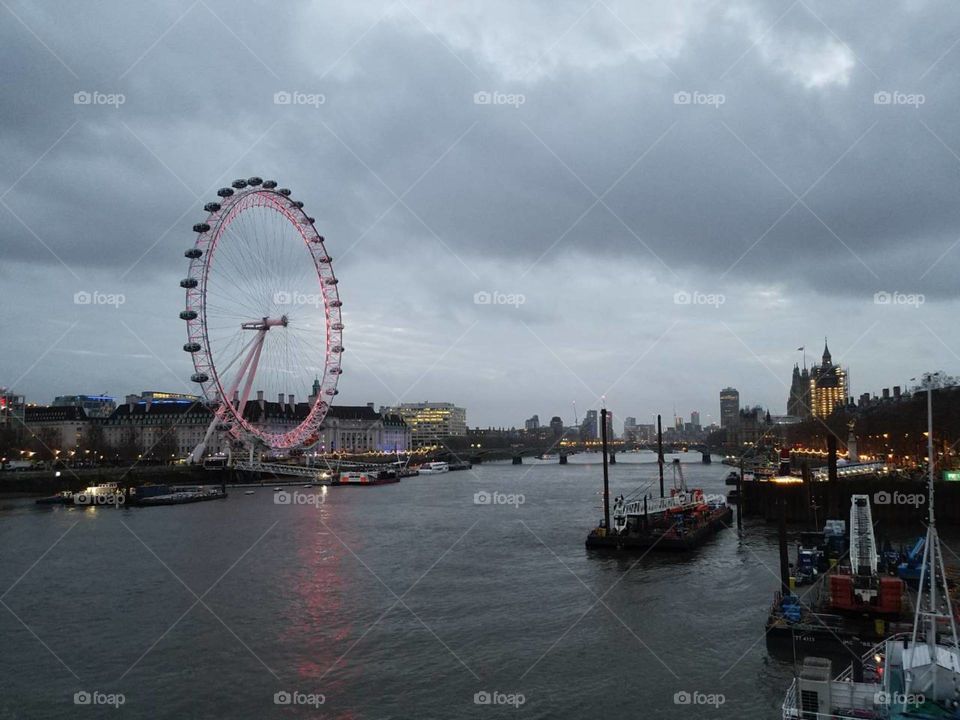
827, 385
798, 403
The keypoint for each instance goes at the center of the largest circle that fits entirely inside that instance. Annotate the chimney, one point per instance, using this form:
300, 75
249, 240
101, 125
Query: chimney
280, 398
292, 403
259, 396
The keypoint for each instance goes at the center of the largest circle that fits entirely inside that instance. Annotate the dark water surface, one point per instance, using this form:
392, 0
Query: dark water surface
399, 601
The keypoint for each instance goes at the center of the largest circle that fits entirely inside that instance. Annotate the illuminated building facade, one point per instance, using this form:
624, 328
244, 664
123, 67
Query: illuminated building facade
828, 386
430, 422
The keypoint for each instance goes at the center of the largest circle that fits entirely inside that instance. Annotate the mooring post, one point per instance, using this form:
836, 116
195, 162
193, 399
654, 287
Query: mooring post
740, 502
606, 479
784, 559
660, 453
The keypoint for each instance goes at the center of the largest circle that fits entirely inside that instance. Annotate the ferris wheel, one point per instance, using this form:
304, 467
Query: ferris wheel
263, 315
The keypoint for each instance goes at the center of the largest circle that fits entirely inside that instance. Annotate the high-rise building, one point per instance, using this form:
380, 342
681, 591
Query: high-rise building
798, 402
431, 422
610, 433
828, 386
729, 407
695, 419
590, 427
556, 426
532, 424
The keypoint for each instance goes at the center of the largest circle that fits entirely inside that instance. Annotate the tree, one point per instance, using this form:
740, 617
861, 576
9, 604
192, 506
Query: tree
129, 448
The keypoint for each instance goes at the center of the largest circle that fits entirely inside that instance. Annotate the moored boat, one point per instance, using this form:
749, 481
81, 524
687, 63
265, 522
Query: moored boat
356, 477
434, 468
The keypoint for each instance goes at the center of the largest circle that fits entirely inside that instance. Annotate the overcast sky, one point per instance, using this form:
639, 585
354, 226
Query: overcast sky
774, 164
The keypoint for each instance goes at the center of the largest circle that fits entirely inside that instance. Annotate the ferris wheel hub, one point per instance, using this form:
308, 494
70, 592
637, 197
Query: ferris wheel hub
266, 323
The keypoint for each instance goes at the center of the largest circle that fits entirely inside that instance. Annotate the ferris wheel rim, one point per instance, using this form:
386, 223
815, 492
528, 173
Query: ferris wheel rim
245, 195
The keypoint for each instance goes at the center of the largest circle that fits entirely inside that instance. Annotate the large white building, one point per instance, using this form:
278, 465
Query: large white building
55, 430
168, 426
431, 422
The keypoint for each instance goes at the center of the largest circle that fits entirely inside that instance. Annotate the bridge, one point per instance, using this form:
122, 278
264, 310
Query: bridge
558, 453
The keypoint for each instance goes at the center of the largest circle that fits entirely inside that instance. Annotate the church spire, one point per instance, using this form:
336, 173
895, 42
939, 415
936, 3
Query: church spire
827, 359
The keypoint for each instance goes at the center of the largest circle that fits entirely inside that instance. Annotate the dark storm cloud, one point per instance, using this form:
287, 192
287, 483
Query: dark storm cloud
797, 177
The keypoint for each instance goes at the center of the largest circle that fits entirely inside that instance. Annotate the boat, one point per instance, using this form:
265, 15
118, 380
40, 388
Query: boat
248, 492
682, 521
434, 468
852, 606
914, 674
277, 488
356, 477
733, 478
156, 495
61, 498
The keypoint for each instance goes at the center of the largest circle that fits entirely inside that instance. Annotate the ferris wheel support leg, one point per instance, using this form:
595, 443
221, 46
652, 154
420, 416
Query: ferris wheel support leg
196, 457
248, 368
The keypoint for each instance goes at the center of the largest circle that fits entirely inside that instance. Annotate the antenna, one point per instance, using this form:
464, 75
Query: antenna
576, 422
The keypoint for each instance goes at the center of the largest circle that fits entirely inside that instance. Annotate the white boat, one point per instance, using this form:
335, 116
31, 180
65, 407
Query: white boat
434, 468
277, 488
248, 492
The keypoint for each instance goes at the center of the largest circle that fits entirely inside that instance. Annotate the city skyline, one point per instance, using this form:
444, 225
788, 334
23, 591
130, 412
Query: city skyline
713, 418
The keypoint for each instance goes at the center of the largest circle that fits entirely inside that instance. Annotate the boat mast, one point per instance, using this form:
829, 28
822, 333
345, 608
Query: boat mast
932, 561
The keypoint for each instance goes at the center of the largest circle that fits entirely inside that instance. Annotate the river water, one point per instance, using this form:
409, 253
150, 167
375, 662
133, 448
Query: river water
413, 600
